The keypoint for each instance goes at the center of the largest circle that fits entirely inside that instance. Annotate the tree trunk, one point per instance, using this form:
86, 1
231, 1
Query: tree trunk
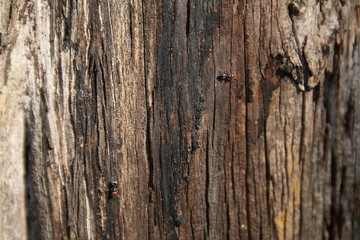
218, 119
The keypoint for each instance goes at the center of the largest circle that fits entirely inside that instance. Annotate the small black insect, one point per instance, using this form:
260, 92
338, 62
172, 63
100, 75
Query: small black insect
113, 192
225, 77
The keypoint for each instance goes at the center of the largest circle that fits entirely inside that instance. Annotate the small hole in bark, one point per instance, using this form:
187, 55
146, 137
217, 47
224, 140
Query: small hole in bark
279, 57
294, 9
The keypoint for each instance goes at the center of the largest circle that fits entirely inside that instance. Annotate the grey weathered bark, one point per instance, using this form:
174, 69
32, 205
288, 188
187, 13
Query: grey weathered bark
92, 91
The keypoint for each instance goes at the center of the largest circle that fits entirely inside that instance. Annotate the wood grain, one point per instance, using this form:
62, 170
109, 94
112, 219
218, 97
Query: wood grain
94, 91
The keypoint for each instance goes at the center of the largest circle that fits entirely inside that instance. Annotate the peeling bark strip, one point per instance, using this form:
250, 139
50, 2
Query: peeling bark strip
98, 91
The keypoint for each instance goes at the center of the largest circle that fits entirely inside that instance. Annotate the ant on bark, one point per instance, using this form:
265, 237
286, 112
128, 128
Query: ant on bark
113, 189
223, 76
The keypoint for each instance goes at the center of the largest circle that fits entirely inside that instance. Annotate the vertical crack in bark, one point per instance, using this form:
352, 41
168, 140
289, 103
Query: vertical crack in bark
192, 225
94, 78
66, 199
302, 159
286, 185
231, 46
331, 88
302, 83
247, 140
188, 16
207, 186
10, 16
104, 108
261, 127
30, 214
230, 194
149, 157
227, 212
131, 30
45, 158
267, 168
294, 204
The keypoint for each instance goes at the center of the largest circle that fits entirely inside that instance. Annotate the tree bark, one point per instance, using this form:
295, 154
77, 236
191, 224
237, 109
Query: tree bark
132, 91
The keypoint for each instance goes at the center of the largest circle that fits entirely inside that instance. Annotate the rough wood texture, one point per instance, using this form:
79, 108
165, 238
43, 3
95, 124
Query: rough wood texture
96, 90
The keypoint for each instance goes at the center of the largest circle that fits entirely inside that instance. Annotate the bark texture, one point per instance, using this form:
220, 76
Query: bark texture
98, 90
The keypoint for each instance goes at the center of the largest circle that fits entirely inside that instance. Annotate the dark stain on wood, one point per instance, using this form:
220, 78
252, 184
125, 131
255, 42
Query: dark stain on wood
178, 93
349, 118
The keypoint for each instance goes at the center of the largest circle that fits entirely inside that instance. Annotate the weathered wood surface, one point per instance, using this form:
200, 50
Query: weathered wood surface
98, 90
